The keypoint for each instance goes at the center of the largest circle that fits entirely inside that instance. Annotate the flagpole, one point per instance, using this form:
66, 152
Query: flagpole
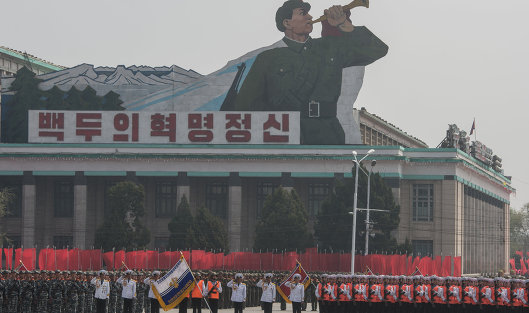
195, 280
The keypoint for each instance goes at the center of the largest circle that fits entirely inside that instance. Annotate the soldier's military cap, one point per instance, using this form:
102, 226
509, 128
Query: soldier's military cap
239, 275
156, 273
285, 11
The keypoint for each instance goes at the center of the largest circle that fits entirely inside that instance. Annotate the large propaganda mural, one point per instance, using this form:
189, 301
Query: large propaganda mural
298, 90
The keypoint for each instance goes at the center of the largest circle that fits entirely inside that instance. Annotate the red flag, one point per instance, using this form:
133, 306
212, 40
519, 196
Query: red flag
457, 266
85, 259
96, 260
403, 265
9, 257
446, 267
414, 265
284, 291
425, 265
1, 260
165, 259
152, 259
119, 259
513, 264
473, 127
130, 259
108, 259
25, 259
73, 259
437, 266
524, 267
47, 259
61, 259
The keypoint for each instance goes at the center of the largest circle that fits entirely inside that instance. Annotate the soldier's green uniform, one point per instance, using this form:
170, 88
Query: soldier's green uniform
82, 296
90, 300
2, 293
13, 295
72, 292
26, 295
112, 298
140, 297
57, 296
119, 300
307, 78
43, 292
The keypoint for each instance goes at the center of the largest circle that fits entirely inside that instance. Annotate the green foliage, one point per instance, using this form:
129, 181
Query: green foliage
519, 229
122, 227
6, 196
181, 228
28, 96
283, 224
334, 223
209, 231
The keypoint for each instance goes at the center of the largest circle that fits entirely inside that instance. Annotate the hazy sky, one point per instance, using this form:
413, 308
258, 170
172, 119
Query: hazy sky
449, 61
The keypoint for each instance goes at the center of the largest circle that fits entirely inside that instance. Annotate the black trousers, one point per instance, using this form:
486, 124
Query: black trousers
237, 306
196, 304
155, 306
267, 307
101, 306
296, 307
182, 307
213, 305
127, 305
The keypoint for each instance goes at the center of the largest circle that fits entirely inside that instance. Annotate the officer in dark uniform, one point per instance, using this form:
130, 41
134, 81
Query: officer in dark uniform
306, 75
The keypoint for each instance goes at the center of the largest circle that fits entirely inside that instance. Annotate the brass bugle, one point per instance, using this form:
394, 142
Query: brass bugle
354, 4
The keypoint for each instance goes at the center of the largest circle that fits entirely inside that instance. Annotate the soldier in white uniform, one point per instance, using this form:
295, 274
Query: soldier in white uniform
297, 293
238, 295
129, 291
155, 305
102, 290
269, 292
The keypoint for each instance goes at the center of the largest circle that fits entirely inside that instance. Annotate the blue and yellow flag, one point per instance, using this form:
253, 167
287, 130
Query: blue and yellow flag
172, 288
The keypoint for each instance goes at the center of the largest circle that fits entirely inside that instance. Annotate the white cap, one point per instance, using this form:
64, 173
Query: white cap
297, 276
128, 272
269, 275
102, 272
239, 275
156, 273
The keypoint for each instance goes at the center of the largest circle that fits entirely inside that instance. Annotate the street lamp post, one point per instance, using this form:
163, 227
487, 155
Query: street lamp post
355, 202
373, 163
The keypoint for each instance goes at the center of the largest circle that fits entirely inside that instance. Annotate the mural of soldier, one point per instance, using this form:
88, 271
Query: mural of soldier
306, 74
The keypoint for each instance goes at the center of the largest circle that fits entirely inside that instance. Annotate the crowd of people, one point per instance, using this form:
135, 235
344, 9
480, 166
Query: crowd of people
127, 292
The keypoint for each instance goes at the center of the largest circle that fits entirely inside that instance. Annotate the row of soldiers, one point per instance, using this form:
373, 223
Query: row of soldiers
72, 291
371, 293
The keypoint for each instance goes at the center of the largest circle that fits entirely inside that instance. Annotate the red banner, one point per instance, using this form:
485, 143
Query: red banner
108, 259
73, 260
446, 269
119, 259
47, 259
9, 257
457, 266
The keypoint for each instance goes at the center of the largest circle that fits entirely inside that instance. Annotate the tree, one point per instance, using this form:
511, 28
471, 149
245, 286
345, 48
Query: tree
209, 231
283, 224
6, 196
333, 225
520, 229
122, 227
181, 230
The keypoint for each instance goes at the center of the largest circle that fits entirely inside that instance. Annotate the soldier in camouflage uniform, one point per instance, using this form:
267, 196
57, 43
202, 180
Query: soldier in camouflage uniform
57, 293
81, 307
113, 297
140, 295
3, 283
119, 290
26, 292
90, 291
73, 287
42, 293
13, 292
305, 75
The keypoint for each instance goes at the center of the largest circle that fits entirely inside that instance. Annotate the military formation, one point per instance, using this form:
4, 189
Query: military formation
77, 292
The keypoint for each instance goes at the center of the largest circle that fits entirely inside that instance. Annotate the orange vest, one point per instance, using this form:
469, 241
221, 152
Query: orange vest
469, 300
320, 290
197, 291
359, 296
484, 299
342, 296
438, 294
377, 293
452, 298
406, 289
519, 297
213, 293
392, 289
501, 300
326, 295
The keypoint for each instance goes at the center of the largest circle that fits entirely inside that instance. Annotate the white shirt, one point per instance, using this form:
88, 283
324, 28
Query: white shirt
297, 292
149, 281
102, 288
269, 291
129, 287
238, 291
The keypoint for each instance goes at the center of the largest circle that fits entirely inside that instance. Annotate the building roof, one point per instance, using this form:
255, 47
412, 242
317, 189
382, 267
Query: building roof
33, 59
391, 126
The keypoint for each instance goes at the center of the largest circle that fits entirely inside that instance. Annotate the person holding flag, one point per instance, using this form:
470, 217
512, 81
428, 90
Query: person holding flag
297, 293
238, 295
155, 305
268, 296
212, 290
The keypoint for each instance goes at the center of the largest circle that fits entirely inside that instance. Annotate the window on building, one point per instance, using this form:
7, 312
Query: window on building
161, 242
263, 191
317, 194
165, 199
14, 206
12, 241
422, 247
423, 202
63, 199
217, 199
62, 242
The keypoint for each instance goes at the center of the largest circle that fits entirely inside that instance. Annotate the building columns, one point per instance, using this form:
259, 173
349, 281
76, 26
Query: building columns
29, 208
234, 212
79, 211
287, 182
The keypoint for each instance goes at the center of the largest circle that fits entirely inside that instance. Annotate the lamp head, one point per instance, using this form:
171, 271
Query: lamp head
373, 163
370, 151
354, 153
